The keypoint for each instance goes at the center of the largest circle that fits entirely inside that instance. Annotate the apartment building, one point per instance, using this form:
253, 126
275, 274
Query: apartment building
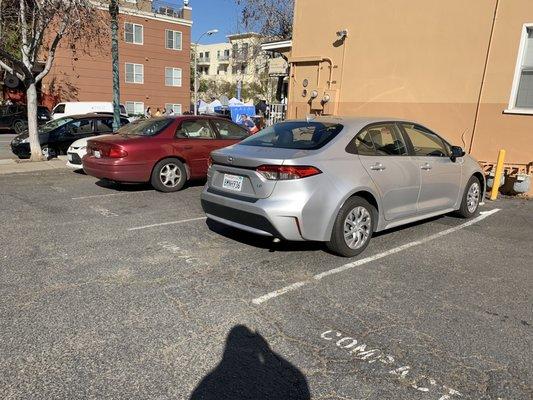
240, 59
463, 68
154, 60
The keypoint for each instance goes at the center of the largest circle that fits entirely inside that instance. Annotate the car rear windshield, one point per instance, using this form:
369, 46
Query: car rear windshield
295, 135
145, 127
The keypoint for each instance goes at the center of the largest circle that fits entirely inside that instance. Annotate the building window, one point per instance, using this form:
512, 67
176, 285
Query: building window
172, 76
133, 33
135, 107
522, 90
173, 108
173, 40
134, 73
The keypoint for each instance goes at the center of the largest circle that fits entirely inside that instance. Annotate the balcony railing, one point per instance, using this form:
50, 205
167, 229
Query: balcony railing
170, 9
223, 58
204, 60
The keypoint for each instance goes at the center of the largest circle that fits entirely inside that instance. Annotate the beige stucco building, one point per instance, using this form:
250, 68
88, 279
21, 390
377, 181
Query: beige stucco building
463, 68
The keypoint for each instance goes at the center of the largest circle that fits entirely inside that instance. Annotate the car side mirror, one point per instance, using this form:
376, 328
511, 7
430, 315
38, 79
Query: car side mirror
457, 151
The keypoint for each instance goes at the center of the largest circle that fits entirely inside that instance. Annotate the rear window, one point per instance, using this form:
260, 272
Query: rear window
295, 135
145, 127
59, 109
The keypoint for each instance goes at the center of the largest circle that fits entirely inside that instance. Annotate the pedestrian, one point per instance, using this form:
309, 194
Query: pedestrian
171, 113
148, 112
157, 112
164, 112
248, 124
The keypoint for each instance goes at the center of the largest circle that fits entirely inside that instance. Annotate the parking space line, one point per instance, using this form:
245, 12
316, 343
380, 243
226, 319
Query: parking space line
181, 221
345, 267
108, 195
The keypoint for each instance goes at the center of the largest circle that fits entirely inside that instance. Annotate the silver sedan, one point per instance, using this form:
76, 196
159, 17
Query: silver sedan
339, 180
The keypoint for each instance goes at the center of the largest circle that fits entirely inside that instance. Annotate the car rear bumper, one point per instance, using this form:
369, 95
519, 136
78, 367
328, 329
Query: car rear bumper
262, 217
116, 169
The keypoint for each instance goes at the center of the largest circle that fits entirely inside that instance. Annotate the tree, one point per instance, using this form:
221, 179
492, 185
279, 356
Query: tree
271, 18
40, 26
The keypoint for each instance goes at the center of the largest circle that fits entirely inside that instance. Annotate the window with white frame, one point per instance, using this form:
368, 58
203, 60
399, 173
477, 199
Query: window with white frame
135, 107
133, 33
172, 76
173, 108
522, 91
173, 39
134, 73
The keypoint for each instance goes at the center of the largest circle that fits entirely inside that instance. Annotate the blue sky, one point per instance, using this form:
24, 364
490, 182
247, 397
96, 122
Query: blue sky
223, 15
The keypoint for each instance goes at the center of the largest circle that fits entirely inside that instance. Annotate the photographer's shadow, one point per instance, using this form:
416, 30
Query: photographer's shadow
250, 370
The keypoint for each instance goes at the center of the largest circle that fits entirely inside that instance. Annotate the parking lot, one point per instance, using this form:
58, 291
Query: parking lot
123, 292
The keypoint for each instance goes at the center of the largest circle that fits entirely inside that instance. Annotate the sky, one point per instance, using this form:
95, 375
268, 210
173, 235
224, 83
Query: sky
223, 15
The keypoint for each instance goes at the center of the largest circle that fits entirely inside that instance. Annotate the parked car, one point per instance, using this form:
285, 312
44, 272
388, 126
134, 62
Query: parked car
165, 151
15, 117
57, 135
339, 180
85, 107
78, 149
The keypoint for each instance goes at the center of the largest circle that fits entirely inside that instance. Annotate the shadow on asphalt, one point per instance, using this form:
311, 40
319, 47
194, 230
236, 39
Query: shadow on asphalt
137, 187
249, 369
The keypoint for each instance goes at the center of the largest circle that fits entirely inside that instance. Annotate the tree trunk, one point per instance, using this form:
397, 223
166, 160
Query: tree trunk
113, 11
35, 145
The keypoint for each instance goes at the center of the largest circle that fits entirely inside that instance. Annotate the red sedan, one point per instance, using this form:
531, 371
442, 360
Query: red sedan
166, 152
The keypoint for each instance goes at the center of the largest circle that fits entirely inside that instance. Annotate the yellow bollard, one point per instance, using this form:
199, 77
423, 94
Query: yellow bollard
497, 175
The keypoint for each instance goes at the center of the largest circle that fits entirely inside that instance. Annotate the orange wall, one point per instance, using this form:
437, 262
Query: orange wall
87, 76
415, 59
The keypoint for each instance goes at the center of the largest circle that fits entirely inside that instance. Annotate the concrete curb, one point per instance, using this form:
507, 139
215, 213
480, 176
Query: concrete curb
17, 166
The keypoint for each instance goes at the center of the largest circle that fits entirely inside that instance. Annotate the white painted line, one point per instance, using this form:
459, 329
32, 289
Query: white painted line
345, 267
181, 221
109, 195
279, 292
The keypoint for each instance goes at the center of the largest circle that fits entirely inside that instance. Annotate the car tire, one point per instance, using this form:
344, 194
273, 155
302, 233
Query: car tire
471, 198
363, 217
48, 152
169, 175
19, 126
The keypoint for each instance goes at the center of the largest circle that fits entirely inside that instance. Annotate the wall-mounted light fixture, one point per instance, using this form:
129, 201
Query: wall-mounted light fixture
342, 34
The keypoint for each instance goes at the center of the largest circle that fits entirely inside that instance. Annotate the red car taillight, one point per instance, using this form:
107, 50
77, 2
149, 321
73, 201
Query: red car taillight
117, 152
287, 172
209, 162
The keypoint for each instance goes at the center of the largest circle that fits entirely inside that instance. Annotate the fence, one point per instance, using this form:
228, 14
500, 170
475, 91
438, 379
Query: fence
277, 113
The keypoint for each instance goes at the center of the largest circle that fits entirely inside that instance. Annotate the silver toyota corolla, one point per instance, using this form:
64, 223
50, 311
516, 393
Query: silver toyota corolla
339, 180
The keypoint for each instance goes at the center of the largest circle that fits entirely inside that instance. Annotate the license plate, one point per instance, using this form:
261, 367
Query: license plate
232, 182
69, 156
97, 154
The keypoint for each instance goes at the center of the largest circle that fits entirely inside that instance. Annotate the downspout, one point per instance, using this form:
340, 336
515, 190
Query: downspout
483, 76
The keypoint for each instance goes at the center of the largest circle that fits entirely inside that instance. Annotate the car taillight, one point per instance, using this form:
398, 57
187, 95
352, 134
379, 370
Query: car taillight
117, 152
287, 172
209, 161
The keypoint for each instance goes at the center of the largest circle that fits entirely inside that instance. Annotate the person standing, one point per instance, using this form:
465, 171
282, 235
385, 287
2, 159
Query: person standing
157, 112
148, 112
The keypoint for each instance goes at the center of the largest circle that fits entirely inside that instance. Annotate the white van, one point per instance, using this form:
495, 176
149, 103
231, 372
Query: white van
85, 107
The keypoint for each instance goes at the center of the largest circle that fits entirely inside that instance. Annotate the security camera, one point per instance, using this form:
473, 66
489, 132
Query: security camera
342, 34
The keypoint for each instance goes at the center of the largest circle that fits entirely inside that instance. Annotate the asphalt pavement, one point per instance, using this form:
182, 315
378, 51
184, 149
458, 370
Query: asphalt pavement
121, 292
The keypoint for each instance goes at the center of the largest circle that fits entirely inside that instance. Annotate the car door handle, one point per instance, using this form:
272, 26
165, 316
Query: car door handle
425, 167
377, 167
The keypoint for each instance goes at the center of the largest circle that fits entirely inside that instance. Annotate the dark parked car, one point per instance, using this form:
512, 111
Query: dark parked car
15, 117
166, 151
57, 135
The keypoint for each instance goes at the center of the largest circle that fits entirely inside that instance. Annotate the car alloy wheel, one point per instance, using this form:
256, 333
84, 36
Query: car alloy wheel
357, 227
472, 197
170, 175
19, 127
